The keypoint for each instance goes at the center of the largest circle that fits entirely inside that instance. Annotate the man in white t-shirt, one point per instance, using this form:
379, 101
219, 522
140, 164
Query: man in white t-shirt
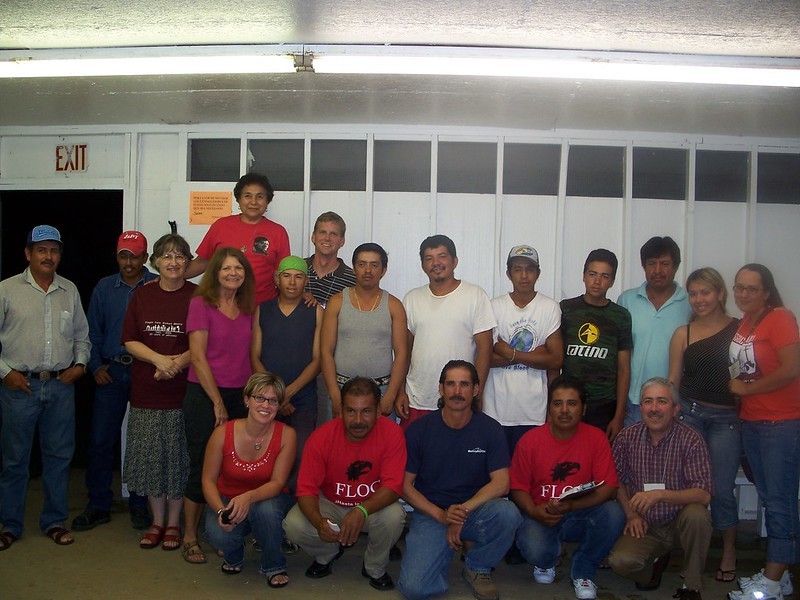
447, 319
528, 348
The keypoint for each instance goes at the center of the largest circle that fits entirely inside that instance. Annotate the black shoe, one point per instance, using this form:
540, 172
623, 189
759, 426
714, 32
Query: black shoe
91, 518
395, 553
318, 571
140, 518
687, 594
288, 546
382, 583
659, 566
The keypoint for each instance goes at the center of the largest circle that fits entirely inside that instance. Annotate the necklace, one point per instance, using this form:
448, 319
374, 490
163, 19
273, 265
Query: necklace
374, 305
257, 443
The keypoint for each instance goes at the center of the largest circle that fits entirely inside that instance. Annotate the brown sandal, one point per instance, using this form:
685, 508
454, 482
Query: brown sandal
6, 539
193, 553
58, 533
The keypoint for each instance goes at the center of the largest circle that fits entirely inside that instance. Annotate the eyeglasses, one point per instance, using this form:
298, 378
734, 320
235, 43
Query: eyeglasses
178, 258
747, 290
261, 399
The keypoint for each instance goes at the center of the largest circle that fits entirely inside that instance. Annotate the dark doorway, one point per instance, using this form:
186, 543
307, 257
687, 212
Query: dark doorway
90, 222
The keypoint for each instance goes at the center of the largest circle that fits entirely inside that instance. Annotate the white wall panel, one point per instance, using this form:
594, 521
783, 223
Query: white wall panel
468, 219
777, 248
719, 234
528, 220
34, 157
589, 223
650, 218
158, 169
286, 208
400, 221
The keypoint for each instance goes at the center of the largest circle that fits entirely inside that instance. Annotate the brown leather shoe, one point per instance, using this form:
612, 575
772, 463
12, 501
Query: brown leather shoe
659, 566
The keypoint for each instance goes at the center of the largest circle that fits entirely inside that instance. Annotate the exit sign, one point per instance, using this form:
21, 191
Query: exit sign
74, 157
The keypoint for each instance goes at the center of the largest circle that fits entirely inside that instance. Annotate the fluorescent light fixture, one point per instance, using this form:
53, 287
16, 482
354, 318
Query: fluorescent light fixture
146, 61
557, 64
403, 60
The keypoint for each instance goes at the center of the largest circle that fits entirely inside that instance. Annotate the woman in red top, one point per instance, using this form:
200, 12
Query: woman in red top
246, 466
765, 371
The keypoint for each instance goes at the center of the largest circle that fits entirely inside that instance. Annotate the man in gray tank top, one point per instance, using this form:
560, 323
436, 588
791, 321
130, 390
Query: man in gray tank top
364, 332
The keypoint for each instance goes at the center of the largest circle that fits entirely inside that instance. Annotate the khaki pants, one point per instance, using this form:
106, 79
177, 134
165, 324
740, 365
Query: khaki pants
690, 531
383, 529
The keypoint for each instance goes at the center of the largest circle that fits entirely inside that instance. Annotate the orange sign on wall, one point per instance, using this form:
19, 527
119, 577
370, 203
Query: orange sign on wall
207, 207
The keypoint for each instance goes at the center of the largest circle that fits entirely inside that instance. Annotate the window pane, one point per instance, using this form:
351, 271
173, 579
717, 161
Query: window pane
280, 160
721, 176
659, 173
595, 171
339, 165
467, 168
531, 169
779, 178
402, 166
214, 160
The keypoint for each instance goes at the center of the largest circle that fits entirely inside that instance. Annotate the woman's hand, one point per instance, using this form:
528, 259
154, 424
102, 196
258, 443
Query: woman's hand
220, 414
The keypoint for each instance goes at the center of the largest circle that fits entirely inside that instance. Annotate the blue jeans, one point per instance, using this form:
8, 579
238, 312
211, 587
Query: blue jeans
264, 520
108, 412
773, 449
596, 528
51, 407
722, 431
423, 572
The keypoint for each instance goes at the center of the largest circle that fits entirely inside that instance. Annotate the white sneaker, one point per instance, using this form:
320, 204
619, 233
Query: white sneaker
585, 589
786, 581
759, 588
544, 575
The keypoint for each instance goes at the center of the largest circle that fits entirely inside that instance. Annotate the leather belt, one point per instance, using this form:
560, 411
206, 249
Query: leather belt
123, 359
42, 375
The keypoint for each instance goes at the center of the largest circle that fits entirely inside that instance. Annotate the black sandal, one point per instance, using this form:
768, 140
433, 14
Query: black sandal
272, 584
6, 539
58, 533
230, 569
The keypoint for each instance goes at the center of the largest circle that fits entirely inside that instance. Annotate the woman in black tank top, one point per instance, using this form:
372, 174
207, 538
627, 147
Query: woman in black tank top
698, 367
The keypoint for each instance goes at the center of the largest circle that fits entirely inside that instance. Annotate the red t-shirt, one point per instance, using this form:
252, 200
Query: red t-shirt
757, 353
347, 473
545, 466
157, 319
237, 476
265, 244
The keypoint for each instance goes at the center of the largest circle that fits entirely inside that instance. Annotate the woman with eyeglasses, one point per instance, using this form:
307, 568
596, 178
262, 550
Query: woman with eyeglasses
247, 463
765, 374
698, 368
156, 464
220, 326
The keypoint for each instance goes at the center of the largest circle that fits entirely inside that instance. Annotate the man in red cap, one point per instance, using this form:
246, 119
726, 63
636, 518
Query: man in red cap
111, 367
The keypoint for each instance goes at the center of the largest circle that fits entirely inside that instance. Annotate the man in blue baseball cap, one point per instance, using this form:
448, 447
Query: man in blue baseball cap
45, 348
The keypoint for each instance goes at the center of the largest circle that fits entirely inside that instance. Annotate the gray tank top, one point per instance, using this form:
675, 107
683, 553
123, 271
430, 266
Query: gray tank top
364, 340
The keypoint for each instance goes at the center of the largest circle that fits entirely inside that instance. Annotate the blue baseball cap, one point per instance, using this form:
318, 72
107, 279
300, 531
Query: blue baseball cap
44, 233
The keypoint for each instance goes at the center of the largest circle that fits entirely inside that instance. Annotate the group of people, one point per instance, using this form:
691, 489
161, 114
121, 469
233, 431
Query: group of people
613, 425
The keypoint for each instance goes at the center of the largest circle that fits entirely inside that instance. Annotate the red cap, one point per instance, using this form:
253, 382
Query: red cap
132, 241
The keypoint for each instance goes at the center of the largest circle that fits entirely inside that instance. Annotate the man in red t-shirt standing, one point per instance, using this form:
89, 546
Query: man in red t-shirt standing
350, 479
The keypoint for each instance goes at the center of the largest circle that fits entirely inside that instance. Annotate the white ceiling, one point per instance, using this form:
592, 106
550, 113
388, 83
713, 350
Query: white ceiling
710, 27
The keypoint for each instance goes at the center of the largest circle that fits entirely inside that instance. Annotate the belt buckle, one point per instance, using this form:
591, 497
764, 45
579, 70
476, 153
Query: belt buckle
44, 375
125, 359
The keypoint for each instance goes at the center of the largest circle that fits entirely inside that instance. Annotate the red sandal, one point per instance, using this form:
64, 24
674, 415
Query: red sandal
172, 541
152, 537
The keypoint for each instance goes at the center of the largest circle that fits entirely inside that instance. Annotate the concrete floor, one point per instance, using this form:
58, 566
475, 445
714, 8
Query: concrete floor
106, 563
